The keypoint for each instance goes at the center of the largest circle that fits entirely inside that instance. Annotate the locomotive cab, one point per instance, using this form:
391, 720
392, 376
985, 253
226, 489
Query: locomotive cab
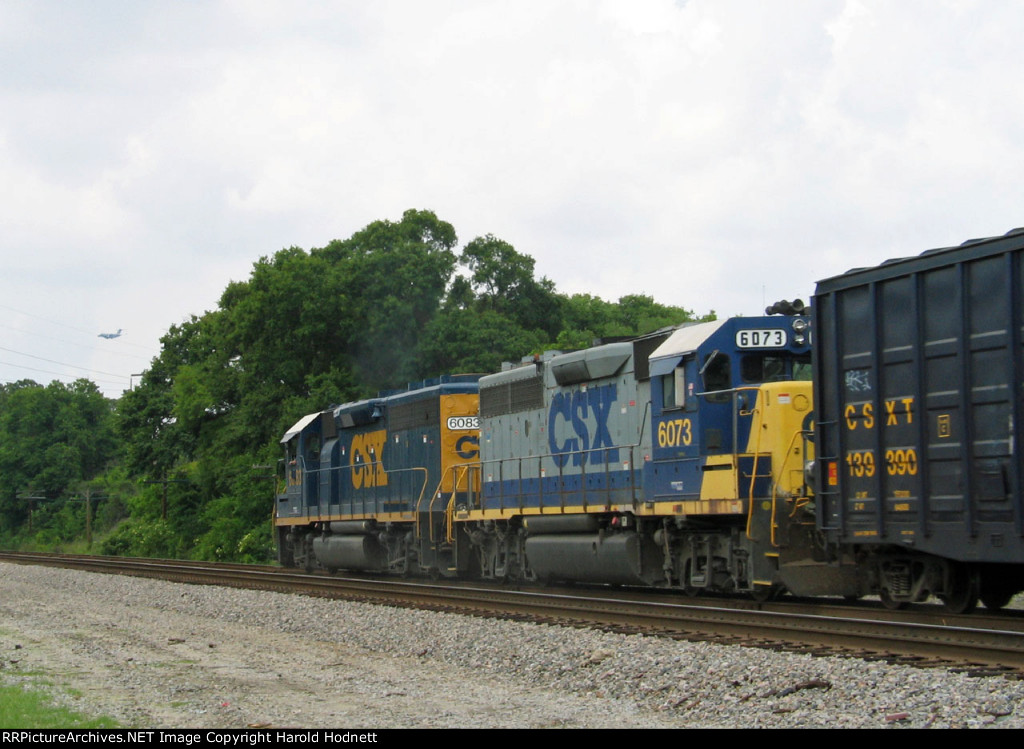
708, 390
732, 417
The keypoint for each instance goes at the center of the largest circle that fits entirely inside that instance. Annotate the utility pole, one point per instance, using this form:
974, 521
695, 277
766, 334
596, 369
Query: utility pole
163, 500
88, 517
31, 507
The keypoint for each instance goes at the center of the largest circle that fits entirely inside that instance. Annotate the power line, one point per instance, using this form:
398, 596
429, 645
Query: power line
59, 363
65, 325
57, 374
71, 343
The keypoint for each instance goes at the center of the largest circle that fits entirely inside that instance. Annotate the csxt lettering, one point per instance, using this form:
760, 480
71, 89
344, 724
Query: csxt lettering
894, 415
585, 413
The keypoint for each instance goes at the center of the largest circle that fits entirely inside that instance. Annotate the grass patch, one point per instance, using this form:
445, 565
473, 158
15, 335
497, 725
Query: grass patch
26, 708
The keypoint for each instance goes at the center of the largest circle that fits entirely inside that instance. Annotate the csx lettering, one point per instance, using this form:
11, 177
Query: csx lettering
892, 416
675, 432
367, 459
583, 410
867, 412
467, 447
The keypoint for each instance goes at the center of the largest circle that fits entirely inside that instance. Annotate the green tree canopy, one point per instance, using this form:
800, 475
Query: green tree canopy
51, 438
396, 302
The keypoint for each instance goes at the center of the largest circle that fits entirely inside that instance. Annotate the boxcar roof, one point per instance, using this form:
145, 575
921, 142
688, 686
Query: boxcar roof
972, 248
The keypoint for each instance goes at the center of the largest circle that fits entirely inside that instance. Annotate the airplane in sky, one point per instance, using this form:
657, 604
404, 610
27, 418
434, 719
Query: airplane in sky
108, 336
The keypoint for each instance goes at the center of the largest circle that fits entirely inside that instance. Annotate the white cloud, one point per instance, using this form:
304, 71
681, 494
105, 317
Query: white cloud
710, 153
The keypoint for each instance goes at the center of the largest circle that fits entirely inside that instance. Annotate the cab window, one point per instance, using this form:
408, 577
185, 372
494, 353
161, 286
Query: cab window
717, 375
673, 389
755, 368
313, 448
763, 368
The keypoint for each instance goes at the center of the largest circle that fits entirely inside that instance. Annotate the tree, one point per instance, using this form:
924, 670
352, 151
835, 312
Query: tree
503, 281
398, 274
51, 438
391, 304
588, 318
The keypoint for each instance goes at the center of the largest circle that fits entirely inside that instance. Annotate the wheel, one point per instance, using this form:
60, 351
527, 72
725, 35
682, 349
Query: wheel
765, 593
996, 599
889, 602
690, 590
963, 596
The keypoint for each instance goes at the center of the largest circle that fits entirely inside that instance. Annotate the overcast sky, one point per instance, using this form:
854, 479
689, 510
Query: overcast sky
715, 154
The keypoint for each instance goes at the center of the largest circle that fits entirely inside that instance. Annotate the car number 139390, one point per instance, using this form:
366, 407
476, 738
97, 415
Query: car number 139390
774, 338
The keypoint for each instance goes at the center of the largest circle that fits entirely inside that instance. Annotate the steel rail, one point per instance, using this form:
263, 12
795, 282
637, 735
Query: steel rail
983, 645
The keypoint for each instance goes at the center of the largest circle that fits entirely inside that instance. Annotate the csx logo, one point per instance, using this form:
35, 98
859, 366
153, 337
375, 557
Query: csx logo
366, 459
467, 446
586, 413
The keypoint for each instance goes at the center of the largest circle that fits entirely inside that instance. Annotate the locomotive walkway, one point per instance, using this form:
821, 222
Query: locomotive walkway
924, 635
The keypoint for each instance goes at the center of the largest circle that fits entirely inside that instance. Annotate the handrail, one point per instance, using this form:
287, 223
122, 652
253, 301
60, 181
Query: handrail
372, 485
775, 479
561, 460
753, 472
466, 470
458, 472
775, 483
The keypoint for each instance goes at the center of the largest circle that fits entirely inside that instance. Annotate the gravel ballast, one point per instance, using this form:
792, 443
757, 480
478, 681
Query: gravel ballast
163, 655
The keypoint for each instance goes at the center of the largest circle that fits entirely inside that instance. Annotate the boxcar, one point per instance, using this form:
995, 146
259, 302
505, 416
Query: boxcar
918, 376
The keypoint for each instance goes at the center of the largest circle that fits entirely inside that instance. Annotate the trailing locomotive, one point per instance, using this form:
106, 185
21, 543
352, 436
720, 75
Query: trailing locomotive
702, 458
367, 483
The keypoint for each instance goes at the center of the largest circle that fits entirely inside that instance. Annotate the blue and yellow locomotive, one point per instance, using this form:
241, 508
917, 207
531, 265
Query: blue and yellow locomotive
674, 459
687, 458
368, 484
660, 461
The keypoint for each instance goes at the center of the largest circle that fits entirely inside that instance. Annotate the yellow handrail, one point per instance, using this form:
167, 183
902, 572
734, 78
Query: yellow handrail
775, 479
460, 473
775, 484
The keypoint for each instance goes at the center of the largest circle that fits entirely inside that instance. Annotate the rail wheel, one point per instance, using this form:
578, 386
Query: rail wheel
688, 588
765, 593
963, 596
995, 599
889, 602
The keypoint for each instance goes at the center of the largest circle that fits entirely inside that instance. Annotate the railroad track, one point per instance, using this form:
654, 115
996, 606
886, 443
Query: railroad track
977, 644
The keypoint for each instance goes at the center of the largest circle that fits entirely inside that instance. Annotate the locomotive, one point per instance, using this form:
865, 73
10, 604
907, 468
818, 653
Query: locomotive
864, 445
